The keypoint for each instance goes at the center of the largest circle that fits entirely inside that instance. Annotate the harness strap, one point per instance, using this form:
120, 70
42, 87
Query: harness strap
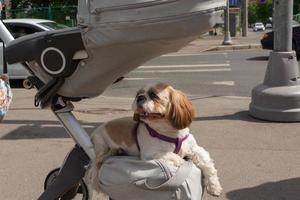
177, 141
135, 134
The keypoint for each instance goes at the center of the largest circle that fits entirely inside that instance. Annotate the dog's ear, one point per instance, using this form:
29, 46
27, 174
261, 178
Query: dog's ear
180, 112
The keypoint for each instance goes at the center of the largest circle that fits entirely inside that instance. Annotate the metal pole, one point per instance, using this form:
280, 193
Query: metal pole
50, 15
278, 97
245, 18
227, 37
273, 14
5, 70
283, 25
79, 135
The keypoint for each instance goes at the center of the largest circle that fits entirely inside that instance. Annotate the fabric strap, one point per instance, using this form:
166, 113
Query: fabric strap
177, 141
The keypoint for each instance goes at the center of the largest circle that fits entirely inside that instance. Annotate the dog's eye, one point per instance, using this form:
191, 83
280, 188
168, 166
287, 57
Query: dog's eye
152, 95
140, 92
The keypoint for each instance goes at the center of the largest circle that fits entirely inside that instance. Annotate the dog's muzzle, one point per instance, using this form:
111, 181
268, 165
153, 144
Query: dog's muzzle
140, 100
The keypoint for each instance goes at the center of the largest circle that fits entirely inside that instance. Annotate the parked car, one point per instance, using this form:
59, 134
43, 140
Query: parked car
269, 26
258, 27
19, 28
267, 40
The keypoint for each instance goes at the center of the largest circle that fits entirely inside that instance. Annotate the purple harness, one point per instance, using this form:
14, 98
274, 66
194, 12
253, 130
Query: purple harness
177, 141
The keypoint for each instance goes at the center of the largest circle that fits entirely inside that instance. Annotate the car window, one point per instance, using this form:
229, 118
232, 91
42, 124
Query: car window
19, 30
52, 25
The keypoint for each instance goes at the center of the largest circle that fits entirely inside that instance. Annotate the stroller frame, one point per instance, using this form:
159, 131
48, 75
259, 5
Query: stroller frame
77, 161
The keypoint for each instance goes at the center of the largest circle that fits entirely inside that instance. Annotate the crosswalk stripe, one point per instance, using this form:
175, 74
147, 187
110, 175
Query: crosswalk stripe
183, 66
193, 54
137, 79
182, 70
228, 83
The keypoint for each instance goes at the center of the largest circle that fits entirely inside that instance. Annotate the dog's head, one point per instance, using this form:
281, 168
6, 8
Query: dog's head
162, 102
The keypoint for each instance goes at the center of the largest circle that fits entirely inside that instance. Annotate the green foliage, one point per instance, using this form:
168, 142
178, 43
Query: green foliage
61, 11
296, 6
21, 4
259, 12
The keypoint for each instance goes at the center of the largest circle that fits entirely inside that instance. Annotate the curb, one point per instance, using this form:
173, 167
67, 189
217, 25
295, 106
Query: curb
235, 47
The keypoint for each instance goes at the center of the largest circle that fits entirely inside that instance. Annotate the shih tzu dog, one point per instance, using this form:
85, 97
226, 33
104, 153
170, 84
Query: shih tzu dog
159, 130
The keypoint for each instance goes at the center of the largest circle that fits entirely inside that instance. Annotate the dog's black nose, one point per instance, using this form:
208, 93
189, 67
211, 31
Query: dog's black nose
141, 99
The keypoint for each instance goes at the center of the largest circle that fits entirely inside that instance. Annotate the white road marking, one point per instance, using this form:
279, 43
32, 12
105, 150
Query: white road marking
183, 66
137, 79
182, 71
229, 83
192, 54
59, 125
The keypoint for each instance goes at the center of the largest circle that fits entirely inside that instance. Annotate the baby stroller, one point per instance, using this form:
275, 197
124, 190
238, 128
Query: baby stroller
113, 38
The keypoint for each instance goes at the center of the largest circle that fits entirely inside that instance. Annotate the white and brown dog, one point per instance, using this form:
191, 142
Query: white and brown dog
161, 132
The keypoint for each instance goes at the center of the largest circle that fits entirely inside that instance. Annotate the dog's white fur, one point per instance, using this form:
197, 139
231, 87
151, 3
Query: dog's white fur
169, 112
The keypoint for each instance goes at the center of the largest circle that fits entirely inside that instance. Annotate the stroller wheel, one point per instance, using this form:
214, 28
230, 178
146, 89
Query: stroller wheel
81, 192
27, 84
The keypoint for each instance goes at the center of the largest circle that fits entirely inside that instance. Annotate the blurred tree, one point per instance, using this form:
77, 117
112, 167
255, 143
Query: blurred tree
296, 6
40, 3
62, 11
259, 12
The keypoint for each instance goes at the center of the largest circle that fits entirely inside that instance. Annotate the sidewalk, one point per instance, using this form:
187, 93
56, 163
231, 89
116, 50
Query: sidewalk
214, 43
256, 160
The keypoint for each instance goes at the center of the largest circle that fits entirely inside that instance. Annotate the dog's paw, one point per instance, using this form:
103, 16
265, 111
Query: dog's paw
214, 188
175, 162
170, 158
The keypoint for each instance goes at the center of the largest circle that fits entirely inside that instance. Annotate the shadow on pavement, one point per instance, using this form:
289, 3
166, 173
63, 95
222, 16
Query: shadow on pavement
282, 190
241, 116
33, 129
259, 58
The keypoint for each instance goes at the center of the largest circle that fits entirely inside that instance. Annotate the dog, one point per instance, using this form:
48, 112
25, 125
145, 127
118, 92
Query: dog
158, 130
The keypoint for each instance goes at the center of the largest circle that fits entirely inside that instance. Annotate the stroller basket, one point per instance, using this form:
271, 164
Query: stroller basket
113, 38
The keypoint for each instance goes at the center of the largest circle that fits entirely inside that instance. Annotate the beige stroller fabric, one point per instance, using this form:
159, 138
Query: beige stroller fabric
121, 35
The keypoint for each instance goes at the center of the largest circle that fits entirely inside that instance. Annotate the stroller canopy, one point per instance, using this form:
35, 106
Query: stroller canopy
113, 38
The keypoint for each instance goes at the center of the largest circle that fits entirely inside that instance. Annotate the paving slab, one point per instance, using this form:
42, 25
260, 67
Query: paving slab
256, 160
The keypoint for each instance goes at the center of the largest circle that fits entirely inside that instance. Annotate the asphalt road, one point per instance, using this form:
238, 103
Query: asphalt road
232, 73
